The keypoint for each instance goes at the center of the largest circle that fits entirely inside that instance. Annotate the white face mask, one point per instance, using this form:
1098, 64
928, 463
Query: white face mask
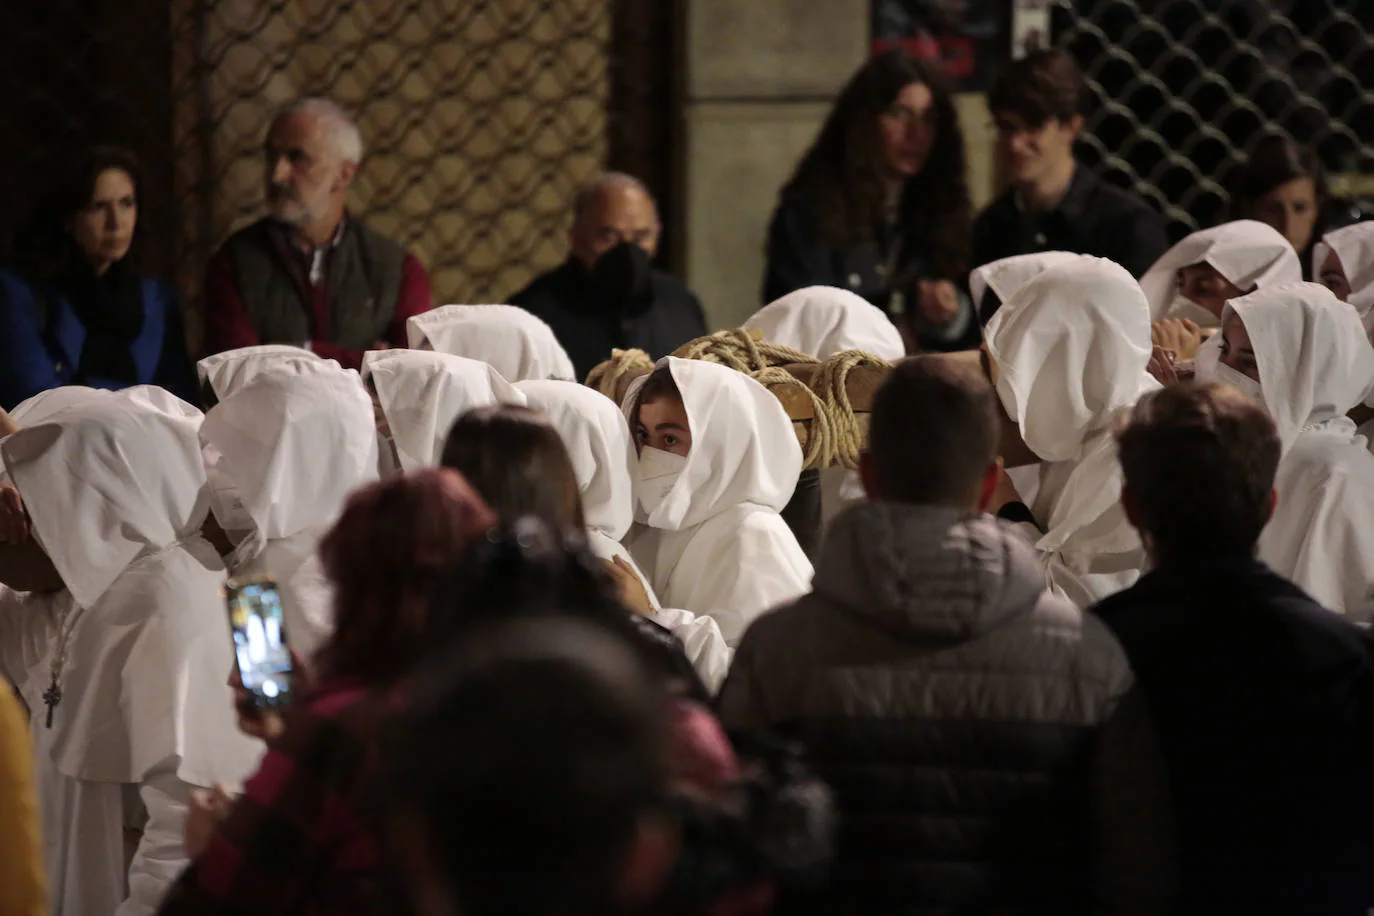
225, 502
1183, 307
1227, 376
658, 472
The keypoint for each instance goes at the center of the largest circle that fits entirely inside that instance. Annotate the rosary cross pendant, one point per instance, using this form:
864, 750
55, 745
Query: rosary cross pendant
52, 696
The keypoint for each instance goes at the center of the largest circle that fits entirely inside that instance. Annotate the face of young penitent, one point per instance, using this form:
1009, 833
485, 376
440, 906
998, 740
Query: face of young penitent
1204, 285
1236, 349
1332, 276
663, 424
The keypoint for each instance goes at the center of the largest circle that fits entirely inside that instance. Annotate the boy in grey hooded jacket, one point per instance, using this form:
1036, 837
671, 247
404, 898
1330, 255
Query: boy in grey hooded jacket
982, 737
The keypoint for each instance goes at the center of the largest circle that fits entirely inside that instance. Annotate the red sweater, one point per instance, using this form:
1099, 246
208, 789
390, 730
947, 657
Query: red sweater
228, 325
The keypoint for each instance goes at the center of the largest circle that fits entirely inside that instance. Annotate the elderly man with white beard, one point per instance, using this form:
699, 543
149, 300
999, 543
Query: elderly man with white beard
310, 273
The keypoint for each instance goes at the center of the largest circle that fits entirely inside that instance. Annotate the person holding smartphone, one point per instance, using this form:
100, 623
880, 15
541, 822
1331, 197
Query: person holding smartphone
272, 850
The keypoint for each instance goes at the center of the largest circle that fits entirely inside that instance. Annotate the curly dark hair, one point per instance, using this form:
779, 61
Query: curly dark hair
843, 169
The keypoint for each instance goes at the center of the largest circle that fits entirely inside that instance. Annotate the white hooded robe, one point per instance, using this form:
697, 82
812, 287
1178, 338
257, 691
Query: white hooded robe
520, 345
1250, 254
822, 321
1315, 363
1005, 277
1072, 349
283, 452
422, 393
1354, 248
717, 544
145, 712
598, 441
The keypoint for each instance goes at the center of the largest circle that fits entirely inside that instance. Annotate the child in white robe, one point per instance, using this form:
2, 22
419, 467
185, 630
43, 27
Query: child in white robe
520, 345
1191, 282
993, 285
1069, 354
718, 461
133, 670
1303, 355
597, 439
418, 394
282, 454
822, 321
1343, 262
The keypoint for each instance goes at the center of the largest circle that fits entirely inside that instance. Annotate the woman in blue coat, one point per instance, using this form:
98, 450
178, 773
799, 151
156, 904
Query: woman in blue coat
75, 310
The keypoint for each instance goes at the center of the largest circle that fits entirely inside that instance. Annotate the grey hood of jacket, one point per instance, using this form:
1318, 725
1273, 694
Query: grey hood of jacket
931, 573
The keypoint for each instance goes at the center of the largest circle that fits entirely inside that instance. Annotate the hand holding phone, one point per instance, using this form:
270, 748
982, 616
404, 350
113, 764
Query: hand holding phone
261, 650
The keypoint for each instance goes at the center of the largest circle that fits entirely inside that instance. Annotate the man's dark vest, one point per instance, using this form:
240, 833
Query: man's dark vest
364, 282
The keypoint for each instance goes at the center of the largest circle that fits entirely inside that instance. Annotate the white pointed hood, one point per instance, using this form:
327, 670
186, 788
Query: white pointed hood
1251, 254
1354, 246
422, 393
1315, 361
289, 448
743, 446
50, 401
109, 479
825, 320
520, 345
228, 371
598, 442
1005, 277
44, 404
1072, 351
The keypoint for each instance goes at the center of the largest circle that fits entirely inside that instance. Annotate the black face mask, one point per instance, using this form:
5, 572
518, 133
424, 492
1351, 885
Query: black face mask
622, 281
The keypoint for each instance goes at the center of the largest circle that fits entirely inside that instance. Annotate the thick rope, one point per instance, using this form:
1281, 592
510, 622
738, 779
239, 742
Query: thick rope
831, 387
820, 444
741, 351
606, 377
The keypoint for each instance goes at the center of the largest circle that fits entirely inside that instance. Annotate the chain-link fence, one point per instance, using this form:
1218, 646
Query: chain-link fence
1184, 87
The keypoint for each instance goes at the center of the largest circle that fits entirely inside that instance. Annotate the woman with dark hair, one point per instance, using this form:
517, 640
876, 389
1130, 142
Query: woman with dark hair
299, 839
74, 309
879, 205
515, 459
1283, 184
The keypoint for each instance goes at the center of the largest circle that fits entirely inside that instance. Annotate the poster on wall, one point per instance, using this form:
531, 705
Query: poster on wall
967, 39
1030, 27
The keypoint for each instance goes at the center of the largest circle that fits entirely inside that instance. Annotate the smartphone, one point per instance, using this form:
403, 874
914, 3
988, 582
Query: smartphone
260, 646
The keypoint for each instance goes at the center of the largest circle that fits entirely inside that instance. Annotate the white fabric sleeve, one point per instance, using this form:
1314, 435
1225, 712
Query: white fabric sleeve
701, 638
161, 854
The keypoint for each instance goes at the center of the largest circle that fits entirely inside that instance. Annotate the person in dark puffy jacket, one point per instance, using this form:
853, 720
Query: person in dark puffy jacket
982, 737
1262, 697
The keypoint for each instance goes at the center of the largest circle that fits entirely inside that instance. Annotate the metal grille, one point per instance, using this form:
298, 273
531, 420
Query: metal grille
480, 120
1184, 87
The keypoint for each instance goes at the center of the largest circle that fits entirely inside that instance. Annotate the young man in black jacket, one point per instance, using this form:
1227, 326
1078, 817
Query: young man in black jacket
1054, 202
1263, 700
